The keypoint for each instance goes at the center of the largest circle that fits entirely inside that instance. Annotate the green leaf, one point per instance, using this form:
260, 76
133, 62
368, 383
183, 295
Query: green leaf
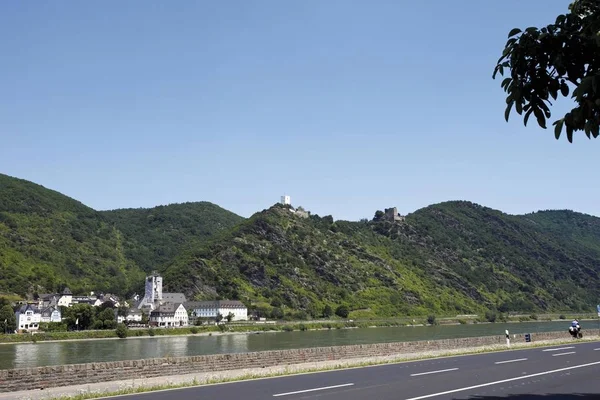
595, 129
564, 89
558, 127
587, 129
570, 133
513, 32
527, 114
541, 119
507, 111
519, 107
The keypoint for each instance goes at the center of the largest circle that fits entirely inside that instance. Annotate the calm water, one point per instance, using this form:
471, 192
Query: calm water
56, 353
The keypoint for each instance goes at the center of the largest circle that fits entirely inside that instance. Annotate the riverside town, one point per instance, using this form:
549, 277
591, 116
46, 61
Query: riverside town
388, 200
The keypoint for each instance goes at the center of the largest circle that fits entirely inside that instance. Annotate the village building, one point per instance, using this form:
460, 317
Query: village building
210, 309
51, 314
28, 318
169, 315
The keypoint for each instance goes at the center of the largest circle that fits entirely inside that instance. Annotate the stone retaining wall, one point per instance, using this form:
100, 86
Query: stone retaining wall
74, 374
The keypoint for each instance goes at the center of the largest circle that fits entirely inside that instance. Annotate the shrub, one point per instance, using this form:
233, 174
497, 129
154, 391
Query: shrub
462, 321
533, 316
490, 316
342, 311
287, 328
431, 320
122, 331
151, 332
194, 330
562, 316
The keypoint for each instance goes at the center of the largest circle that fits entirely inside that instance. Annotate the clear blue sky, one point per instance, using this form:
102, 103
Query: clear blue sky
347, 106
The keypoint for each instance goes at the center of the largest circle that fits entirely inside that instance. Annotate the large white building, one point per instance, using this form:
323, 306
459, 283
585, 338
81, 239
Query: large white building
28, 318
169, 315
210, 309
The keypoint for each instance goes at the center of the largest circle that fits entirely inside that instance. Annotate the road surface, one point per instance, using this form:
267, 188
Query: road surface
561, 372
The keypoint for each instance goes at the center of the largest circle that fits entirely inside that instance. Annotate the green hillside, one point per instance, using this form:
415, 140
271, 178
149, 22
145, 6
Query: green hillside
449, 258
276, 258
157, 235
48, 240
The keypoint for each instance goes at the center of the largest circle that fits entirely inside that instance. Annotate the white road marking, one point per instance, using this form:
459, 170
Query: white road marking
504, 381
597, 349
563, 354
510, 361
434, 372
560, 348
313, 390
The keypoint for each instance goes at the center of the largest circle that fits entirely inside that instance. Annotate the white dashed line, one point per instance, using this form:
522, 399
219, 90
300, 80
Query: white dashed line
510, 361
313, 390
434, 372
563, 354
503, 381
560, 348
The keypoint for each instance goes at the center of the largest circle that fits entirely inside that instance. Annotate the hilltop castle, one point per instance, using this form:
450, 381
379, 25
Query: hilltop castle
300, 211
391, 214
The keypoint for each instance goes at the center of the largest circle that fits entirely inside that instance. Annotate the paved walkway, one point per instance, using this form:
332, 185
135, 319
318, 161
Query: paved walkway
204, 378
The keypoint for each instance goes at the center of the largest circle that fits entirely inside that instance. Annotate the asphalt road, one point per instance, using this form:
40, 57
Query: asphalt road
560, 372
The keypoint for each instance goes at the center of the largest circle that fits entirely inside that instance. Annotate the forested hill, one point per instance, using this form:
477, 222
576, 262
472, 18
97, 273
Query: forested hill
544, 260
48, 240
449, 258
156, 235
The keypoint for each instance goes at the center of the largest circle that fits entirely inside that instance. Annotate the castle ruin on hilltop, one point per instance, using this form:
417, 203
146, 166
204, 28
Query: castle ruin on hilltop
391, 214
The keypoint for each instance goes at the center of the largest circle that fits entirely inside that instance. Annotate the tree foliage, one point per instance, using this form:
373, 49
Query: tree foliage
548, 62
7, 314
342, 311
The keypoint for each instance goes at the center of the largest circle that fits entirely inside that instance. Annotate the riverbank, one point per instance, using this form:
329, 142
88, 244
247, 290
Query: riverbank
258, 328
146, 384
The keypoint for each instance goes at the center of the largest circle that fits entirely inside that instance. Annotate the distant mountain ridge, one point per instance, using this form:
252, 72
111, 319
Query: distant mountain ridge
455, 257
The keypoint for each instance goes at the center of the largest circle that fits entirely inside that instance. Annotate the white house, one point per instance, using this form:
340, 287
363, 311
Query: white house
235, 307
133, 315
169, 315
51, 314
28, 318
66, 298
210, 309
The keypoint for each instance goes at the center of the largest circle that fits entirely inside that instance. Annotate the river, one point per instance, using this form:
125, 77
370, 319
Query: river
22, 355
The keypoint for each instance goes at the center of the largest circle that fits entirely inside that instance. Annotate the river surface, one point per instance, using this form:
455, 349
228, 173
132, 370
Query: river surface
22, 355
